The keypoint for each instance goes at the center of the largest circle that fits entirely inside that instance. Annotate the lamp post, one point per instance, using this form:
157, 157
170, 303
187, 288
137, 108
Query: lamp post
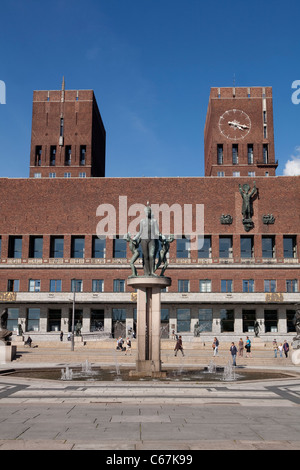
73, 314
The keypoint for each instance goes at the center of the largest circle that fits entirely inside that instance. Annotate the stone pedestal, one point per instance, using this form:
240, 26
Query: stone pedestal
148, 361
7, 352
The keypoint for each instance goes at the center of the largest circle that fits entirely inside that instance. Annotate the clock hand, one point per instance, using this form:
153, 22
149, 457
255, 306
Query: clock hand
238, 125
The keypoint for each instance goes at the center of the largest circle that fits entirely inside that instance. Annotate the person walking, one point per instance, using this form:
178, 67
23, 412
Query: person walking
275, 347
128, 346
233, 351
286, 348
61, 335
215, 346
178, 346
280, 349
248, 347
241, 347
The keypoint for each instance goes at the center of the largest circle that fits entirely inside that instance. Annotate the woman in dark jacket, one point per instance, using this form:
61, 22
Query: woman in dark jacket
178, 346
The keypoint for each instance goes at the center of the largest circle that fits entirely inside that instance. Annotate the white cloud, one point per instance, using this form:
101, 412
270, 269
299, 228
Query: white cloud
292, 166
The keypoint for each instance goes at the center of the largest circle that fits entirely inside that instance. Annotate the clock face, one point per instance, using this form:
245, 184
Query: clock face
234, 124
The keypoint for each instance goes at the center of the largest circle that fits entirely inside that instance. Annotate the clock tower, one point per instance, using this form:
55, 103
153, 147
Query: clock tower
239, 134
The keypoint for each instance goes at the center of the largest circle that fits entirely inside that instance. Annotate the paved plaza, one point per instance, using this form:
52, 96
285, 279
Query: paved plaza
150, 415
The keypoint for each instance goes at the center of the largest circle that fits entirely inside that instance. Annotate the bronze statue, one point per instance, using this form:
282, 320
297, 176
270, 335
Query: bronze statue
4, 333
162, 258
133, 246
247, 210
148, 237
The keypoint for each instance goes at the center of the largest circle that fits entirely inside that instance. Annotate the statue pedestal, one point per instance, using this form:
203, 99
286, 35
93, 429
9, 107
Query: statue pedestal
148, 361
7, 352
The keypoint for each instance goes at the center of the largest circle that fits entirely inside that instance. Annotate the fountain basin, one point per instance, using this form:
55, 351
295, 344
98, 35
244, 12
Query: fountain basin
173, 375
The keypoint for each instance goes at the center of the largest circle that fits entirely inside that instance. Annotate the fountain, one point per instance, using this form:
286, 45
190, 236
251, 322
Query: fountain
211, 369
229, 372
66, 374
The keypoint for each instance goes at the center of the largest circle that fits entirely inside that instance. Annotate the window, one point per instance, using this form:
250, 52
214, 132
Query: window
235, 154
76, 285
14, 247
119, 248
13, 285
68, 155
270, 285
77, 247
246, 247
226, 320
61, 130
204, 247
54, 320
289, 246
183, 247
250, 154
265, 134
97, 320
52, 175
268, 247
82, 174
290, 325
270, 317
119, 285
183, 285
55, 285
248, 285
0, 245
12, 319
98, 247
205, 285
52, 155
265, 153
33, 319
220, 154
226, 285
183, 320
97, 285
236, 174
205, 319
251, 173
37, 175
291, 285
221, 174
67, 175
38, 155
249, 320
34, 285
82, 154
56, 247
225, 247
35, 247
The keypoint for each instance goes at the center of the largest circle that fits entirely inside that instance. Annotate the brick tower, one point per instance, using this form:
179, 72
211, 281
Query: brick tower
239, 134
68, 136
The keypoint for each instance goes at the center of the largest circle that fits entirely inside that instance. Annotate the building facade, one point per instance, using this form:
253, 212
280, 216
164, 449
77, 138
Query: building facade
244, 269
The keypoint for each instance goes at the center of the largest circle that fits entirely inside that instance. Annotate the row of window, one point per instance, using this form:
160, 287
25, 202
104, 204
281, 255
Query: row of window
237, 174
183, 250
235, 154
67, 156
205, 285
67, 174
183, 318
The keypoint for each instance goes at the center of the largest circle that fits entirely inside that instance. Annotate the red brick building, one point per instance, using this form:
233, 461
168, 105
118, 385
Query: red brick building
241, 274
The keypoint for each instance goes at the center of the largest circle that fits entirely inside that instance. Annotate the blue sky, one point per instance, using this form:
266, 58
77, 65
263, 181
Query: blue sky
151, 64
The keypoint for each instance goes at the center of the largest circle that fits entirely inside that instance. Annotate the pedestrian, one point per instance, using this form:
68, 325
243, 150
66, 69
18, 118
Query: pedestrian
215, 346
178, 346
280, 348
128, 346
69, 336
61, 335
241, 347
275, 347
286, 348
248, 347
233, 351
